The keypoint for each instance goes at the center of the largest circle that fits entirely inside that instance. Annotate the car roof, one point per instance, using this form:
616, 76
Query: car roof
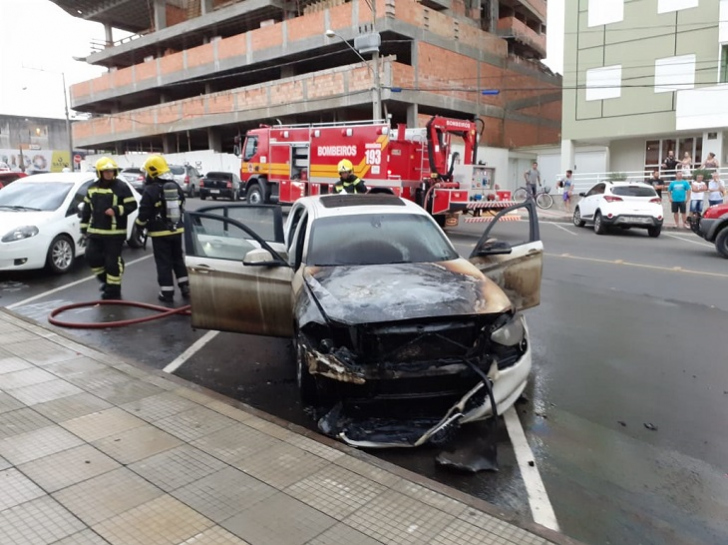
353, 205
74, 177
623, 184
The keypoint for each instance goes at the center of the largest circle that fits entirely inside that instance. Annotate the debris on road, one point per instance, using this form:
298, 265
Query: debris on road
650, 426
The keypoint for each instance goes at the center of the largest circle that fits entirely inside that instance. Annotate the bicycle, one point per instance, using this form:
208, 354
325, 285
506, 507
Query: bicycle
544, 200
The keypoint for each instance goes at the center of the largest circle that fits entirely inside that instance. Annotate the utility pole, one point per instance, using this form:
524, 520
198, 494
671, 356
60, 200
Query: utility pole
377, 100
69, 135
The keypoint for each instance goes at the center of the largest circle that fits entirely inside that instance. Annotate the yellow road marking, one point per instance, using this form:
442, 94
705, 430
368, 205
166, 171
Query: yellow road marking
639, 265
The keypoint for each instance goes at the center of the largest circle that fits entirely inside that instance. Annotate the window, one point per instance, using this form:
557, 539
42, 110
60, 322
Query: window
604, 83
674, 73
603, 12
666, 6
633, 191
692, 144
596, 190
251, 146
723, 64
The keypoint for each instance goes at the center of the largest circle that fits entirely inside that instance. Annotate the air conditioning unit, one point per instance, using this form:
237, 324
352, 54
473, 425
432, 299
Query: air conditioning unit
368, 43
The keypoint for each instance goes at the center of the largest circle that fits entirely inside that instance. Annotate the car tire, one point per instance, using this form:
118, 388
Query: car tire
307, 389
576, 218
655, 231
721, 242
599, 227
203, 197
255, 194
61, 255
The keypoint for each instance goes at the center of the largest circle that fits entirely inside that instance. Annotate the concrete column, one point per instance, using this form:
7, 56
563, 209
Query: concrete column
167, 144
567, 156
206, 7
109, 33
713, 142
494, 16
214, 139
412, 111
160, 14
118, 148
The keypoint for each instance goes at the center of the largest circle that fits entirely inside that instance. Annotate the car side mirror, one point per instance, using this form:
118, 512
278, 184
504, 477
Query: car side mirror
495, 247
260, 258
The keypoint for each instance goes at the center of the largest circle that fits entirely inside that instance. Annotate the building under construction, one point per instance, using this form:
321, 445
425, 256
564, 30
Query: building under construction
196, 74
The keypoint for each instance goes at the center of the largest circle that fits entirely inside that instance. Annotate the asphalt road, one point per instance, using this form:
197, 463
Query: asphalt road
629, 331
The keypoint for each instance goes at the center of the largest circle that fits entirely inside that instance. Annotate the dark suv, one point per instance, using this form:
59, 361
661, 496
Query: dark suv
220, 184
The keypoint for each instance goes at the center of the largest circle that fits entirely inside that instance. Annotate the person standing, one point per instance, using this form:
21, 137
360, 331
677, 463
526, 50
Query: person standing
711, 163
716, 190
348, 181
670, 165
567, 185
107, 205
532, 177
697, 194
679, 194
656, 182
160, 211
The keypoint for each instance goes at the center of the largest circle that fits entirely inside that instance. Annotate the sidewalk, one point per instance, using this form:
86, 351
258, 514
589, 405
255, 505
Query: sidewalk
95, 450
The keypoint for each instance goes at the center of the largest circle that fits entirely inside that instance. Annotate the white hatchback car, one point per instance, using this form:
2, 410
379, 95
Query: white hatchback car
39, 223
620, 204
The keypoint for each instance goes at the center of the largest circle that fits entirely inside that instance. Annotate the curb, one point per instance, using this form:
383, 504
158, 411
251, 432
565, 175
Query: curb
567, 219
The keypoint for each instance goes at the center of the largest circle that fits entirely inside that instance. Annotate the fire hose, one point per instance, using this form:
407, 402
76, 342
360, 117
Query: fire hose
161, 312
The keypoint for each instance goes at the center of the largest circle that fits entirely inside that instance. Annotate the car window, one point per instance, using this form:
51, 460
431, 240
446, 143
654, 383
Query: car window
596, 190
295, 217
78, 198
218, 175
177, 170
633, 191
296, 249
44, 196
251, 146
218, 238
372, 239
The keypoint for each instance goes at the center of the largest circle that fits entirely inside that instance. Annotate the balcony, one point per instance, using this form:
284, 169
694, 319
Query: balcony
511, 28
537, 8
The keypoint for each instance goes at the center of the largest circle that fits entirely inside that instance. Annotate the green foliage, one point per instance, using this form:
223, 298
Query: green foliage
707, 174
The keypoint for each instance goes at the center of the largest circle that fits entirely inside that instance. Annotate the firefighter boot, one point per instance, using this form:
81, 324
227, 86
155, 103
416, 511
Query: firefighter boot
111, 292
102, 281
166, 296
184, 287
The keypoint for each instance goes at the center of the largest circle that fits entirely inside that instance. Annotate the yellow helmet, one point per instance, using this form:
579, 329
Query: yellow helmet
106, 163
155, 166
345, 166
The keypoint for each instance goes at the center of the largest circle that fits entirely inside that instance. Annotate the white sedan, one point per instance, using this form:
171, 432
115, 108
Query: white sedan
39, 222
620, 204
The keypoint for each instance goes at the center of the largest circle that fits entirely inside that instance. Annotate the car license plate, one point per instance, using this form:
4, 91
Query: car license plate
214, 191
639, 219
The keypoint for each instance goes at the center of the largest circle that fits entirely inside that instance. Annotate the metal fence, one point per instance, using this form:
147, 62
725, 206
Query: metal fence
586, 180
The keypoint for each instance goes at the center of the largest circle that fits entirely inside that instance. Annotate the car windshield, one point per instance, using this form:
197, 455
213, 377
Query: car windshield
633, 191
177, 170
44, 196
376, 239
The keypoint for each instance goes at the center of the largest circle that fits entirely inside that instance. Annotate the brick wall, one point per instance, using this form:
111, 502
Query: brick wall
175, 15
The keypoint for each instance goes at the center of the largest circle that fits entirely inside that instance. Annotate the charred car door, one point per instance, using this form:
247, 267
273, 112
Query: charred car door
240, 279
510, 253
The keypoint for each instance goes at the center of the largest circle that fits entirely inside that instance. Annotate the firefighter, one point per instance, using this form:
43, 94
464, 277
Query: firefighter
348, 181
161, 212
107, 204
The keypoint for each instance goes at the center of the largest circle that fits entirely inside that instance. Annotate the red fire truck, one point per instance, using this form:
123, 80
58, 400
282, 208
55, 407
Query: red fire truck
283, 163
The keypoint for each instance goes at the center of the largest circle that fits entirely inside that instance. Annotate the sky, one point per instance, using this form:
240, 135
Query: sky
39, 40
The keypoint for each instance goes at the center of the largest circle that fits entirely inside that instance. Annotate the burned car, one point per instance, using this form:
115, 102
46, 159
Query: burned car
382, 310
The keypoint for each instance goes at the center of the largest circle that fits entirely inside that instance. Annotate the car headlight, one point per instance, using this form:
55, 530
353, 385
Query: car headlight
20, 233
510, 333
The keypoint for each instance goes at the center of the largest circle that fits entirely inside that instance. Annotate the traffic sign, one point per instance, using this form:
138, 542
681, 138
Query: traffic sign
77, 159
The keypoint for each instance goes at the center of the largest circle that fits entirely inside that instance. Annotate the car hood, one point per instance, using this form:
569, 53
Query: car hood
10, 219
383, 293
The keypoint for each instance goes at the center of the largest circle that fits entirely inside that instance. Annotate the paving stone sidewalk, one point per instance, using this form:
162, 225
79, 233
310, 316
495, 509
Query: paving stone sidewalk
97, 450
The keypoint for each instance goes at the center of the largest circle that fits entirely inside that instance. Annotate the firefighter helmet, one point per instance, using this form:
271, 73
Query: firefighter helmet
345, 166
155, 166
106, 163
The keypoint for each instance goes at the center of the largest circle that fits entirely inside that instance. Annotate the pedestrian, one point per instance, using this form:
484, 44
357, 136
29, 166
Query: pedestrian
567, 184
656, 182
711, 163
697, 194
107, 205
160, 211
670, 165
686, 164
348, 181
716, 189
532, 177
679, 194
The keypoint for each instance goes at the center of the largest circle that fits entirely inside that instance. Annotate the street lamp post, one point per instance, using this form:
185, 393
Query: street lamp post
377, 90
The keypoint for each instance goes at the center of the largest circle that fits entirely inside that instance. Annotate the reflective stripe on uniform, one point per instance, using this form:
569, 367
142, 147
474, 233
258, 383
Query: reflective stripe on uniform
182, 280
98, 270
113, 280
94, 231
166, 233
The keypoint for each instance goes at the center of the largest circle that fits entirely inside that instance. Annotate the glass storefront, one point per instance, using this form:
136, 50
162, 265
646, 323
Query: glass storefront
657, 150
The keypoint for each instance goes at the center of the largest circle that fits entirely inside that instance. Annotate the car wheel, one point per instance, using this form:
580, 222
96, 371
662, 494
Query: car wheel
255, 194
306, 383
599, 227
60, 256
721, 242
654, 232
577, 218
203, 197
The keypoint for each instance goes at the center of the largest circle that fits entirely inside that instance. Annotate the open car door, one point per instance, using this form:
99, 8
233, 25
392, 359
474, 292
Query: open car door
510, 253
240, 279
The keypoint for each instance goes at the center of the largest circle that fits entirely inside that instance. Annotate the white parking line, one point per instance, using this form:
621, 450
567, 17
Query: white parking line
177, 362
678, 237
541, 509
66, 286
560, 227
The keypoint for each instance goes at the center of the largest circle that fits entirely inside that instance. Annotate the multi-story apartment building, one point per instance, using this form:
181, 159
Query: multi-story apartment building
197, 73
642, 78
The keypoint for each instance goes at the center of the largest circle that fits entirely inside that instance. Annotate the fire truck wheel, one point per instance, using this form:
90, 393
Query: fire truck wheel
255, 194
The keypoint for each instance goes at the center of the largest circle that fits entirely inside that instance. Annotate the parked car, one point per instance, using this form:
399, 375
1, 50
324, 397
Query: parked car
380, 307
221, 184
8, 177
39, 222
620, 204
135, 177
187, 177
712, 225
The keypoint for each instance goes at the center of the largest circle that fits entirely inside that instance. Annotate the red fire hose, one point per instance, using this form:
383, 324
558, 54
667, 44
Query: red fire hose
162, 312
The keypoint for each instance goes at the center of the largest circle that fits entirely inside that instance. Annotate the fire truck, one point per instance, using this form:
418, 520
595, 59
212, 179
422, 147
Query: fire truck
283, 163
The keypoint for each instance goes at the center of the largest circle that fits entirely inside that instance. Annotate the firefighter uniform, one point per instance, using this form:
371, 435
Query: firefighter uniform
107, 205
160, 211
348, 182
